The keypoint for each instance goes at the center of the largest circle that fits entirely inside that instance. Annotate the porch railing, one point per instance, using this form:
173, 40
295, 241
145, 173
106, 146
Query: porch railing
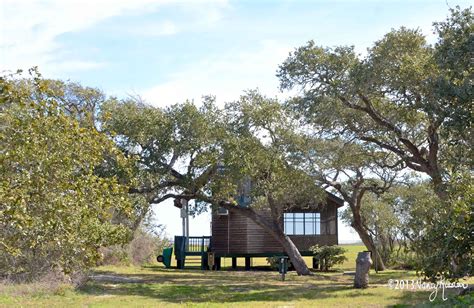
191, 245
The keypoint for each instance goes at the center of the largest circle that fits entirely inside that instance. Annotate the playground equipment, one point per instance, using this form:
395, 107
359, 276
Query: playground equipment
165, 258
192, 250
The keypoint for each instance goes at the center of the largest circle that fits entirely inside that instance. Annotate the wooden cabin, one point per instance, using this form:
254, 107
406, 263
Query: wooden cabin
234, 235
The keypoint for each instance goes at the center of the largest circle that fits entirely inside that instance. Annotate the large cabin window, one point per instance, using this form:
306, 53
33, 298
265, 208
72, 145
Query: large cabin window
302, 223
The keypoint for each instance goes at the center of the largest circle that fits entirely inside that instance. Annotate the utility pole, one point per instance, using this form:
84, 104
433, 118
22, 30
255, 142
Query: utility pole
185, 217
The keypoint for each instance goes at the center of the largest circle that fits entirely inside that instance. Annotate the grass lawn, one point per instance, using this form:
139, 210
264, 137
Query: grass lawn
155, 286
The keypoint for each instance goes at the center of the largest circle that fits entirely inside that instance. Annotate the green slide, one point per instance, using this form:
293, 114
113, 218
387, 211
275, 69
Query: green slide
166, 257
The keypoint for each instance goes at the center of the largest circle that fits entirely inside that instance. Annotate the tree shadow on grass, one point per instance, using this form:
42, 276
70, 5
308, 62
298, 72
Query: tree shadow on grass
192, 277
219, 287
218, 294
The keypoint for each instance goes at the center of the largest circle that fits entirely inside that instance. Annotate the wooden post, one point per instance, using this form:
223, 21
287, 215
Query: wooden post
234, 262
217, 261
210, 260
247, 263
283, 267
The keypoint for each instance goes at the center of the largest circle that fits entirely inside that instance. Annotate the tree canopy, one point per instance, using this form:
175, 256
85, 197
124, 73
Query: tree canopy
400, 97
56, 210
208, 154
405, 100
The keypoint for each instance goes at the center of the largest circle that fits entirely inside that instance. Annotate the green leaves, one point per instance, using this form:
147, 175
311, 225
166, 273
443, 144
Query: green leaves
328, 256
206, 153
399, 97
400, 62
447, 245
55, 210
317, 69
405, 97
406, 104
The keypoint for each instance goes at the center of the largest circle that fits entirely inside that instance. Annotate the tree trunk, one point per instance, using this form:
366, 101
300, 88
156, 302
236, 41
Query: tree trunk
355, 203
369, 243
293, 253
273, 228
439, 186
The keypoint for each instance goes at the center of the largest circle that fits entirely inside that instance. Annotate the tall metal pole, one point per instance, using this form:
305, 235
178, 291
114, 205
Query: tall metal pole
187, 218
185, 215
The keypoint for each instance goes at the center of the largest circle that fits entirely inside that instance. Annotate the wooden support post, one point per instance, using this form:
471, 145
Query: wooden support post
247, 263
234, 262
204, 261
210, 260
217, 263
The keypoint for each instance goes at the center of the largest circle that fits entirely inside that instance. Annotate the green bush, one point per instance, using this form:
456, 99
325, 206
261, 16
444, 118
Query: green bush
404, 259
274, 261
458, 301
328, 256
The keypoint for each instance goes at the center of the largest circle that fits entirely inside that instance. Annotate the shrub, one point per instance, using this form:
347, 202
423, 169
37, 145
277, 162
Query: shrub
54, 282
458, 301
145, 247
114, 255
275, 261
328, 256
141, 250
404, 259
450, 256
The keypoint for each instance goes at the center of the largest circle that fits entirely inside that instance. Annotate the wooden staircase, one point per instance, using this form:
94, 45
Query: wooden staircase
192, 251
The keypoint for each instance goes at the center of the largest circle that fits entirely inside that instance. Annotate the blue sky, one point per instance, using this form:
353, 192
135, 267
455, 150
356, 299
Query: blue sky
168, 51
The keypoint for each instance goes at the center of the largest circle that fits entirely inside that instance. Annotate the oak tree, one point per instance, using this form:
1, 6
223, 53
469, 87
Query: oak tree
206, 154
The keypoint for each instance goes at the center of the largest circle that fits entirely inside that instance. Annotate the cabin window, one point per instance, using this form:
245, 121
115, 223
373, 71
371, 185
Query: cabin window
302, 223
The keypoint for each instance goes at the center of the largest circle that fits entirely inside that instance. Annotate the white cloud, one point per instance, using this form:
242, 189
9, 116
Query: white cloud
156, 28
197, 14
225, 76
29, 28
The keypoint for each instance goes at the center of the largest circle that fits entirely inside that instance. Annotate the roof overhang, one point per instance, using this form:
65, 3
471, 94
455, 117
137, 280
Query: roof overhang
338, 201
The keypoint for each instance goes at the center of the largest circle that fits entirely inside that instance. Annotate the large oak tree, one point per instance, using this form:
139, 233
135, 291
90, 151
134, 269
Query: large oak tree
352, 172
206, 153
406, 98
